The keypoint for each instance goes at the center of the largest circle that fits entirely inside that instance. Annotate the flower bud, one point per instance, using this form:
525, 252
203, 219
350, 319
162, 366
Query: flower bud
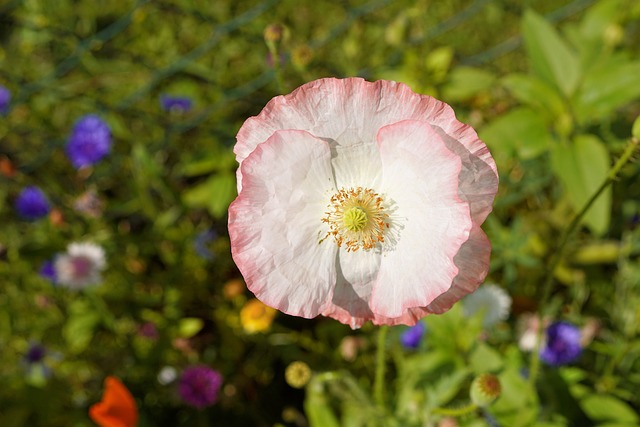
485, 389
273, 33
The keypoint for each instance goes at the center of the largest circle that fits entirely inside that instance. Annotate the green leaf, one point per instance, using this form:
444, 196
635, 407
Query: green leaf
598, 18
445, 388
582, 167
189, 326
536, 93
521, 130
317, 408
466, 82
485, 359
635, 130
602, 407
608, 86
216, 193
80, 327
551, 58
517, 405
438, 62
220, 158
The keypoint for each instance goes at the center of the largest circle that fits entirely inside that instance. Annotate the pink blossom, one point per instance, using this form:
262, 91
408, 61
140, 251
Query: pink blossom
361, 201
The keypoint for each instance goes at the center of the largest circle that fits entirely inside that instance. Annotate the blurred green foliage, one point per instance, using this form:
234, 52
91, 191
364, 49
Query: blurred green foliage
552, 87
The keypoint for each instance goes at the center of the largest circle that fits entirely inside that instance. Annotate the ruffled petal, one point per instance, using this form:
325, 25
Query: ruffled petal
351, 111
473, 262
420, 177
356, 272
275, 224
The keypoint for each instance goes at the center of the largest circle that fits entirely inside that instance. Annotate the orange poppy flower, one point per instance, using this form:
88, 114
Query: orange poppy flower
117, 407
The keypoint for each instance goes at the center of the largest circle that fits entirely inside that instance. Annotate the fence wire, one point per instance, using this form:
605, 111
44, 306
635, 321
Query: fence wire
237, 27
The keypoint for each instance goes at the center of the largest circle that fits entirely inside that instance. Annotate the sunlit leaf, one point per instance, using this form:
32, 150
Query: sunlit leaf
536, 93
215, 194
606, 87
520, 131
551, 58
466, 82
601, 407
317, 408
582, 166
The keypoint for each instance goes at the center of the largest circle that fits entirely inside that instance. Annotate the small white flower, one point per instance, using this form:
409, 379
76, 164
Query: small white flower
490, 299
167, 375
80, 266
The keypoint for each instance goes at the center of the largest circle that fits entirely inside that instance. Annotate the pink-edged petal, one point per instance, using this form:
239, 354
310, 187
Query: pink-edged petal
275, 224
478, 176
356, 272
420, 176
473, 263
351, 111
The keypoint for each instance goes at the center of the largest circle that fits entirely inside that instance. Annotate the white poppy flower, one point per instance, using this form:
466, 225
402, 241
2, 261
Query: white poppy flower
361, 201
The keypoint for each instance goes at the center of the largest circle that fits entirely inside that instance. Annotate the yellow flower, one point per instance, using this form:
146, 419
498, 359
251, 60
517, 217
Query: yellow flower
256, 317
297, 374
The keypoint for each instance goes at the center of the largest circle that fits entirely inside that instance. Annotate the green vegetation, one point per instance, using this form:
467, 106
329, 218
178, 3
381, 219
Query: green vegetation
553, 88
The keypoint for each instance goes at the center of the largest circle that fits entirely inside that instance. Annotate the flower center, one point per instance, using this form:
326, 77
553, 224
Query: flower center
81, 266
356, 218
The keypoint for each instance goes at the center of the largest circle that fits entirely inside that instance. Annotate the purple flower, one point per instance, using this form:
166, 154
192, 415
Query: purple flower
411, 337
35, 353
175, 103
148, 330
48, 271
199, 386
89, 142
5, 99
562, 344
32, 203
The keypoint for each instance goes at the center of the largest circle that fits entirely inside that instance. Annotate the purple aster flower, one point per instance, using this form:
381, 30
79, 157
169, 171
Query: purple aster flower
175, 103
5, 99
562, 344
199, 386
48, 271
89, 142
411, 337
32, 203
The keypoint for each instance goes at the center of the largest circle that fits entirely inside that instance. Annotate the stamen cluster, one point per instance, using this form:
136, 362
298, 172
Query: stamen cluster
356, 218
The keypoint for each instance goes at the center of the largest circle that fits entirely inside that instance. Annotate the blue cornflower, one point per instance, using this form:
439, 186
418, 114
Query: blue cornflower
201, 244
32, 203
89, 142
48, 271
562, 344
411, 337
5, 99
37, 363
35, 353
175, 103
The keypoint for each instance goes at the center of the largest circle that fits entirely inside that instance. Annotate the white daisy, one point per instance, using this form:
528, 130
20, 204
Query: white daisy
80, 266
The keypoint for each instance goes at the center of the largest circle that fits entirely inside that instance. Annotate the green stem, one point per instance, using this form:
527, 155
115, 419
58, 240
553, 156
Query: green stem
378, 385
564, 239
275, 56
457, 412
